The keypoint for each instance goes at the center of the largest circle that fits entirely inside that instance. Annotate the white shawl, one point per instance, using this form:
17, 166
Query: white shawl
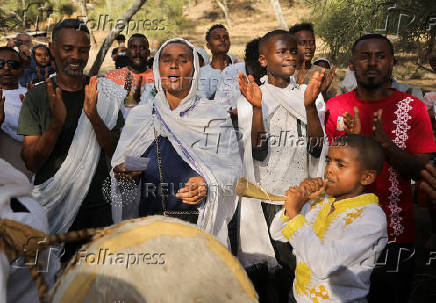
201, 133
258, 249
62, 194
12, 111
20, 285
12, 184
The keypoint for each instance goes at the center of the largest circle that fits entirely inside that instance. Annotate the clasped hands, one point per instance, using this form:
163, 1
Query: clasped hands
297, 196
194, 191
352, 125
252, 92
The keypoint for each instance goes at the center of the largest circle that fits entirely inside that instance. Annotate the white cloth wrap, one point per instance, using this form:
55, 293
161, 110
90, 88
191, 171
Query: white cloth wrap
20, 285
227, 92
12, 111
62, 194
12, 184
253, 250
202, 134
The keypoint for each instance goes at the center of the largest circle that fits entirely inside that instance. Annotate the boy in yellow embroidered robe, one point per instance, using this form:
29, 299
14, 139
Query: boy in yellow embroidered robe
337, 236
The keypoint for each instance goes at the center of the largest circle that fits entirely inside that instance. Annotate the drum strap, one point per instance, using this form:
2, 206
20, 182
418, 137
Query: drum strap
171, 213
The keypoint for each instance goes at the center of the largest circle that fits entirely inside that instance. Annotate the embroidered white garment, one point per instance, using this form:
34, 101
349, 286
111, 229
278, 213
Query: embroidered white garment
349, 83
209, 78
286, 164
12, 111
227, 92
202, 52
201, 133
16, 275
336, 244
62, 194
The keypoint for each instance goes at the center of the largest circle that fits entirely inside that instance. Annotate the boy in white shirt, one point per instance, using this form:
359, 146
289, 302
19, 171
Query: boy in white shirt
338, 235
277, 120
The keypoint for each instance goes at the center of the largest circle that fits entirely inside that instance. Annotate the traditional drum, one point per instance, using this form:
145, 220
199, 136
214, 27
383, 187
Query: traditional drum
153, 259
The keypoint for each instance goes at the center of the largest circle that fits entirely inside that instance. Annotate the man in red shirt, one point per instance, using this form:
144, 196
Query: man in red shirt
400, 123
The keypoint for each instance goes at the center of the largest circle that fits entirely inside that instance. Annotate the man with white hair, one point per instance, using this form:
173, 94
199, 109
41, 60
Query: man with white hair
23, 43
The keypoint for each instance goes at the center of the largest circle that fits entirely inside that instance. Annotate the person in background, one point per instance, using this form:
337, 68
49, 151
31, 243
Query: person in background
228, 92
24, 44
218, 41
349, 83
13, 94
322, 62
119, 55
136, 78
305, 35
42, 64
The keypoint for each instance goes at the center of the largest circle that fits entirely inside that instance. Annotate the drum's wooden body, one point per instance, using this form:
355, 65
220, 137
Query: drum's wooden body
155, 259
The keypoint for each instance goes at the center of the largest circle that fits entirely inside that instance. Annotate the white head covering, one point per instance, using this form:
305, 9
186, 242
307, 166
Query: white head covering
194, 84
201, 132
204, 54
322, 59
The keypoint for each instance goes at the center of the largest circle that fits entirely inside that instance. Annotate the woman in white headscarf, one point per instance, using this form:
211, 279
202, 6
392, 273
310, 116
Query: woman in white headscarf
193, 152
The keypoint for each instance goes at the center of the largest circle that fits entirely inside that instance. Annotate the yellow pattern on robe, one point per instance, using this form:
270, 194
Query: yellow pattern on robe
302, 277
323, 247
319, 292
353, 215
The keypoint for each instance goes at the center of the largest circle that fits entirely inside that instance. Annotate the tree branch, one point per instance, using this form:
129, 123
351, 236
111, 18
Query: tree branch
112, 35
223, 6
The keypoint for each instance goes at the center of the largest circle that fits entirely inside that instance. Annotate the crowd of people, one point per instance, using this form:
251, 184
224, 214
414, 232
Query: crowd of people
181, 127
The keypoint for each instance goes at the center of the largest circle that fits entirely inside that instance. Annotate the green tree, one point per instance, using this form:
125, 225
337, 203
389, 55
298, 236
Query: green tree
340, 22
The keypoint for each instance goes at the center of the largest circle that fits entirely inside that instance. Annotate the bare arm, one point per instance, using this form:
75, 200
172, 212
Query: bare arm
314, 128
37, 149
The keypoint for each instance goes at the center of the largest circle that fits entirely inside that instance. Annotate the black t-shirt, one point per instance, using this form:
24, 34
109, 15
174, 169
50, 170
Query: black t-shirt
35, 118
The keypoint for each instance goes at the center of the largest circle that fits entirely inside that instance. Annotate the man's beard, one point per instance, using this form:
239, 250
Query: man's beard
74, 73
370, 85
140, 66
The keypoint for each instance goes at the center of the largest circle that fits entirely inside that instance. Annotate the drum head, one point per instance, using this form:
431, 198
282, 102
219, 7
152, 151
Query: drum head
153, 259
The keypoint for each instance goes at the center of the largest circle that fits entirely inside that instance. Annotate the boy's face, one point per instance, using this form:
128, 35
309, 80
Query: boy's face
41, 56
219, 41
280, 56
306, 45
344, 174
